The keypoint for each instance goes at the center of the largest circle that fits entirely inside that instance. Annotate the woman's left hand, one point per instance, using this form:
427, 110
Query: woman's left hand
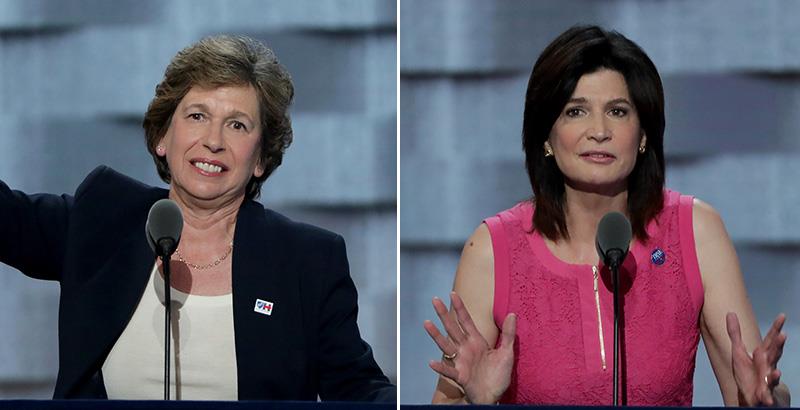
756, 376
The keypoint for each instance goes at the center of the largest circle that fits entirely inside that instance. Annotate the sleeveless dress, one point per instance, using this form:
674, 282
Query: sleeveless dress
564, 347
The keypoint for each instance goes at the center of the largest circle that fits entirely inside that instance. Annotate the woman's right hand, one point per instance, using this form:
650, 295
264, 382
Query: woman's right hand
483, 373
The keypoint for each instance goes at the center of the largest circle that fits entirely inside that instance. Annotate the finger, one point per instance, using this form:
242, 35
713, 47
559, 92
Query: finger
763, 373
775, 378
445, 345
509, 332
447, 371
734, 331
773, 345
766, 396
464, 318
775, 329
449, 323
775, 351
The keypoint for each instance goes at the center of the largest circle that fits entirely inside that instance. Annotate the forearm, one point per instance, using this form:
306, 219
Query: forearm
34, 228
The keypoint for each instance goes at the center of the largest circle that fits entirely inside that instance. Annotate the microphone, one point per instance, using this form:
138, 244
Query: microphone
612, 241
613, 238
163, 230
163, 227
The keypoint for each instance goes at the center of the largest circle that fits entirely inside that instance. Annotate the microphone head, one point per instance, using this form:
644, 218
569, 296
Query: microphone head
613, 238
164, 226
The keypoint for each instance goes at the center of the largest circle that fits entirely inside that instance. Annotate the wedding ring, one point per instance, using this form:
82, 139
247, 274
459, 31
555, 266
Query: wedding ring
766, 380
450, 356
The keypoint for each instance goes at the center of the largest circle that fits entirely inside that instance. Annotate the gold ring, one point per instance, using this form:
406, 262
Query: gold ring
450, 356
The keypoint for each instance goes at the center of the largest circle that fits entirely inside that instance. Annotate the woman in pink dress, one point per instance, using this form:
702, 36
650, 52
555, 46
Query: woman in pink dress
532, 311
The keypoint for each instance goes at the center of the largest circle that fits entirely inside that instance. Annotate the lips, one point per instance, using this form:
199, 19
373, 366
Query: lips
598, 155
208, 166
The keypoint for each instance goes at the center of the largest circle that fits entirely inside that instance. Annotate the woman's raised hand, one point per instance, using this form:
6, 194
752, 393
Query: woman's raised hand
482, 372
756, 376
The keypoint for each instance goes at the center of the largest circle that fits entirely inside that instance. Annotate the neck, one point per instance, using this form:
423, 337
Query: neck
583, 211
207, 223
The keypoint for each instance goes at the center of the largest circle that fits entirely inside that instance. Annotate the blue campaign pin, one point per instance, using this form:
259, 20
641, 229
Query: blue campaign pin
658, 256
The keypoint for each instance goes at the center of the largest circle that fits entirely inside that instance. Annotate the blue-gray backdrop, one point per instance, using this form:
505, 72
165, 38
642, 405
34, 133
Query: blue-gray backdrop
730, 70
76, 77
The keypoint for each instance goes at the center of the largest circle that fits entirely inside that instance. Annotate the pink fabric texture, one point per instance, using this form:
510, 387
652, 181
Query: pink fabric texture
558, 346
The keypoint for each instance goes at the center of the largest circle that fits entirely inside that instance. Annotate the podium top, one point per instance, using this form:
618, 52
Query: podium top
201, 405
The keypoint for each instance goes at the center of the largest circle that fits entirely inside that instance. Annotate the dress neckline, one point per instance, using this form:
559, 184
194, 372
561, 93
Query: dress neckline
540, 250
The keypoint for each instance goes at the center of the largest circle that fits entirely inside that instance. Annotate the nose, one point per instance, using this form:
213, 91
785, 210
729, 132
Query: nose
214, 139
599, 130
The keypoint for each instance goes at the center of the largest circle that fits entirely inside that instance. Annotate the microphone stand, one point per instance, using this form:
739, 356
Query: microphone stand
167, 248
167, 318
167, 221
615, 280
613, 241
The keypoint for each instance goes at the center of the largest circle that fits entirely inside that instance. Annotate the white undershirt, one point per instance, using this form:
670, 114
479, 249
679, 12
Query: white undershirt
202, 355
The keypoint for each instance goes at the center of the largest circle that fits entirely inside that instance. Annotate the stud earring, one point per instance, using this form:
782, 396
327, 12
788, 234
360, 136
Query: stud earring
160, 150
642, 149
548, 150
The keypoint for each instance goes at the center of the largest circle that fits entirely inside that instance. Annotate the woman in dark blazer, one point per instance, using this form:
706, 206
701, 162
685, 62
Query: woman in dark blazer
217, 128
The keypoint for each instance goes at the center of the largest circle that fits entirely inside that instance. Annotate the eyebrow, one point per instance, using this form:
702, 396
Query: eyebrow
583, 100
200, 106
233, 114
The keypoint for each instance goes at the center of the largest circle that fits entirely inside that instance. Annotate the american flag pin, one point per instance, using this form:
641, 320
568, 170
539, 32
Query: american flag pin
263, 307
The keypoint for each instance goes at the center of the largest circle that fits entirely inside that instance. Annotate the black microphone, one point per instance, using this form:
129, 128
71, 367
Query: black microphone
163, 228
613, 240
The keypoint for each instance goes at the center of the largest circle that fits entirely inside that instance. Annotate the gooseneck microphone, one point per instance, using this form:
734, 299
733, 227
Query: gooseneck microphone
163, 228
613, 240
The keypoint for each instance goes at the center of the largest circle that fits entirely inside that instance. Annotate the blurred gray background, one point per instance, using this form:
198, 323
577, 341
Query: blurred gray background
731, 70
76, 77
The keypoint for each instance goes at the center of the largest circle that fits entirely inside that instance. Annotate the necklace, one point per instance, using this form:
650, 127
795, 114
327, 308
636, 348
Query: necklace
208, 266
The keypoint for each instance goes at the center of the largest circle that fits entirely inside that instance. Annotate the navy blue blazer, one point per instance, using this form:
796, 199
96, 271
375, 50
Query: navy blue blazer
94, 244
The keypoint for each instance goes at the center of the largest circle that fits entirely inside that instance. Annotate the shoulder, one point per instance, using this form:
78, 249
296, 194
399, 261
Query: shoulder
478, 247
104, 181
106, 195
716, 255
478, 253
706, 223
299, 232
476, 267
304, 246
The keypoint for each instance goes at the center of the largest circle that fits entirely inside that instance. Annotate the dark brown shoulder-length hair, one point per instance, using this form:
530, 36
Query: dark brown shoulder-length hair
225, 60
578, 51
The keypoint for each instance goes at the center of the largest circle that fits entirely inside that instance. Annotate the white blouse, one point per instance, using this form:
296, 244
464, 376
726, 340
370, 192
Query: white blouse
202, 354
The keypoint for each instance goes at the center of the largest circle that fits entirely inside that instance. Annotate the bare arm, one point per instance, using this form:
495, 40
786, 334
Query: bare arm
740, 376
472, 309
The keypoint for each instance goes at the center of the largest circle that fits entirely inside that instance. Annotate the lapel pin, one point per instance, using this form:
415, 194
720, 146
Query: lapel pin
658, 256
263, 307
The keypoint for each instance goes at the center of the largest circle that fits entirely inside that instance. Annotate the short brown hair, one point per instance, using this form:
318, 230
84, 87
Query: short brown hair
578, 51
225, 60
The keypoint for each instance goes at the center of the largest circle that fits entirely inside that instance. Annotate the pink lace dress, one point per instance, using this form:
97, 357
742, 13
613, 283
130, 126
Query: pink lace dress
564, 347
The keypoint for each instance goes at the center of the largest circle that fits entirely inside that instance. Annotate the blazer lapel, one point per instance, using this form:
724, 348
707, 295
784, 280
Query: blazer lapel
267, 345
95, 313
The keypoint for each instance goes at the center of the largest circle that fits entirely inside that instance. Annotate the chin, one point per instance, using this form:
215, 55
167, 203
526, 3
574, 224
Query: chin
201, 192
